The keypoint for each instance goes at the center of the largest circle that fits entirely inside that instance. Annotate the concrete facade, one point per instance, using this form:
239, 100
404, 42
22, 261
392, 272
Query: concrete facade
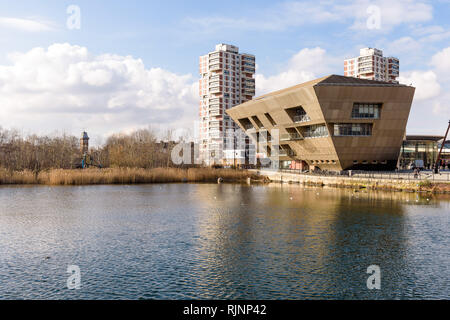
321, 123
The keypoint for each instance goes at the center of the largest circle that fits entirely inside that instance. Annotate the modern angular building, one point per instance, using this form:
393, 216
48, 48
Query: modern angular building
226, 80
371, 65
333, 123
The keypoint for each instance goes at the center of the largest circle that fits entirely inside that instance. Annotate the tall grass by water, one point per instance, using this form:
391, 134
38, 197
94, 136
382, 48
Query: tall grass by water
122, 176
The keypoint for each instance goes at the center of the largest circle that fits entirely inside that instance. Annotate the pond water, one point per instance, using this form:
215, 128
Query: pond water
227, 241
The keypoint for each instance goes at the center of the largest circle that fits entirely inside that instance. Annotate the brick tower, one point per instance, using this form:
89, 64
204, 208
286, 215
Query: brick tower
84, 143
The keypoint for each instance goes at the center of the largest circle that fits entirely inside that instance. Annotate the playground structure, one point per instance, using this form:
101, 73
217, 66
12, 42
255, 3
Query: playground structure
88, 161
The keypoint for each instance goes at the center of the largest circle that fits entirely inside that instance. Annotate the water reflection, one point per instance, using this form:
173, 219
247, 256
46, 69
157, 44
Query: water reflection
314, 243
224, 241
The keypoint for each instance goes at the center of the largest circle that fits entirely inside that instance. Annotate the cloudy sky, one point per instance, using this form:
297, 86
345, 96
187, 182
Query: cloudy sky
134, 64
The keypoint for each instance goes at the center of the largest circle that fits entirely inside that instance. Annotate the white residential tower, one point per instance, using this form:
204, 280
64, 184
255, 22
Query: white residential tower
372, 65
226, 80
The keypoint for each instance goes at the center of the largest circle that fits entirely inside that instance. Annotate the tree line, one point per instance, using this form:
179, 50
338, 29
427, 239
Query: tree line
139, 149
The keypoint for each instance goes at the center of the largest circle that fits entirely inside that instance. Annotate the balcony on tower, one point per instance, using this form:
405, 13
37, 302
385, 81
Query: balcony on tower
217, 89
248, 91
248, 69
215, 112
215, 125
248, 58
215, 67
249, 82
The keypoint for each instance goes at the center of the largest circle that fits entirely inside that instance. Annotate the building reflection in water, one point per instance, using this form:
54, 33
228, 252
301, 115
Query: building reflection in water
279, 241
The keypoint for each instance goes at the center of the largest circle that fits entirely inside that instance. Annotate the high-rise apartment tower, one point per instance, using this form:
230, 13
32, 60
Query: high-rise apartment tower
226, 80
372, 65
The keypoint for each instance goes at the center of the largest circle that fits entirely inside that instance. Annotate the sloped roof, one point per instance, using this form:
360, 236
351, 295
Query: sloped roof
424, 137
332, 80
343, 80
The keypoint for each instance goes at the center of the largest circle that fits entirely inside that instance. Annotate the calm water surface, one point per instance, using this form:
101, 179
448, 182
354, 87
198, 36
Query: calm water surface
204, 241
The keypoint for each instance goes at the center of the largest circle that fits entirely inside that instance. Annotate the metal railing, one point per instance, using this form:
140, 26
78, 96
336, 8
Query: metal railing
443, 176
301, 118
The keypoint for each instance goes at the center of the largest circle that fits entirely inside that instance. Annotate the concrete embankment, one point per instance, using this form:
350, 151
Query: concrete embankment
389, 183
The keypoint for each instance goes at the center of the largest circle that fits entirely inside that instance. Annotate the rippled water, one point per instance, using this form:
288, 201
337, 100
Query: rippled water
204, 241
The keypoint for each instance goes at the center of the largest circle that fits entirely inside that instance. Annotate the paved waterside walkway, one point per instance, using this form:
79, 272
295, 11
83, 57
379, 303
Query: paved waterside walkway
375, 180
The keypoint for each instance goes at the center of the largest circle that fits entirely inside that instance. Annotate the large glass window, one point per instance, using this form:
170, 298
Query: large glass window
353, 129
318, 130
366, 111
298, 114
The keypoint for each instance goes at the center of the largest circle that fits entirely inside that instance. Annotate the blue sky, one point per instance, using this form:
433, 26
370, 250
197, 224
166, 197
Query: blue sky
161, 41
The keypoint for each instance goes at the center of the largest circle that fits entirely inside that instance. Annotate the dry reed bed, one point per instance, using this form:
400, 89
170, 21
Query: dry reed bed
122, 176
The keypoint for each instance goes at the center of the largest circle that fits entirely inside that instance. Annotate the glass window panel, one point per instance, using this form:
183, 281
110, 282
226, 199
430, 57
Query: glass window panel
368, 111
349, 129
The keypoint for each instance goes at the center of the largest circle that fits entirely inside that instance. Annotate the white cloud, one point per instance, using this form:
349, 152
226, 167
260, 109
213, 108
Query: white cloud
425, 82
66, 87
305, 65
430, 110
28, 25
441, 61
